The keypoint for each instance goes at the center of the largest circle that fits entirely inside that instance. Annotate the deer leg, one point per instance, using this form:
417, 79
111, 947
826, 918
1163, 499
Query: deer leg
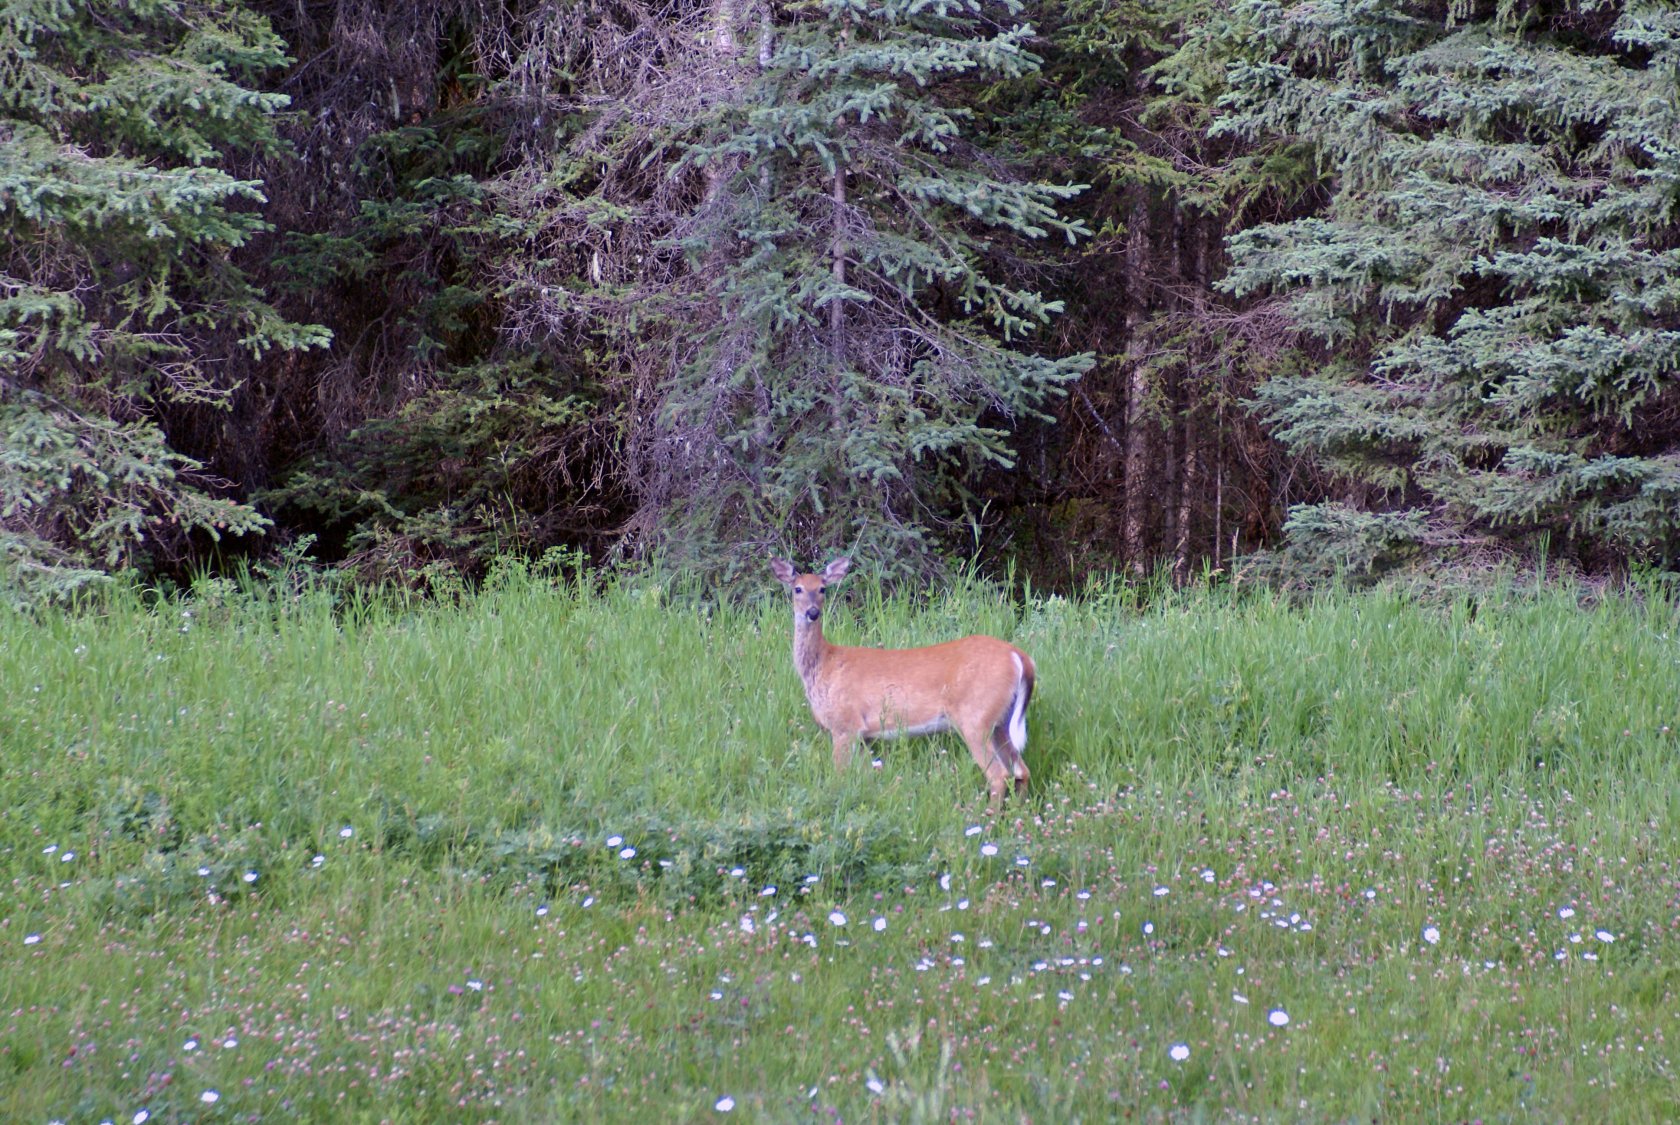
842, 749
995, 768
1005, 751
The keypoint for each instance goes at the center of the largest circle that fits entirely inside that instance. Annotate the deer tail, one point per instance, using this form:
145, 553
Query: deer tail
1024, 674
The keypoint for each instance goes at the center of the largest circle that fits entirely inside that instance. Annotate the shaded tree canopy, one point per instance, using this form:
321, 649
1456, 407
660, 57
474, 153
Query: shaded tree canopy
1072, 285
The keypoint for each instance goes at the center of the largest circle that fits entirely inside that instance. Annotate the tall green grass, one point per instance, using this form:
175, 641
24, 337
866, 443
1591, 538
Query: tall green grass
369, 842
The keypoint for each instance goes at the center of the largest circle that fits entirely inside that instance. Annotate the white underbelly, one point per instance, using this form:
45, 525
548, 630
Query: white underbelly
932, 726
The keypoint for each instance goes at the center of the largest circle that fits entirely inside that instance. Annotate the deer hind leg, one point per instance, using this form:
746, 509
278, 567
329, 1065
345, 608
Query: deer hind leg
1004, 748
995, 766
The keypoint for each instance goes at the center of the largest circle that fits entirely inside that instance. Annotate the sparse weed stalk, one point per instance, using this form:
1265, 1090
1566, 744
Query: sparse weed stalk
574, 852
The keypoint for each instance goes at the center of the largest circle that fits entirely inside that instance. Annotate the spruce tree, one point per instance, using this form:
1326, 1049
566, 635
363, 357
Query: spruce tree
1493, 286
843, 348
118, 301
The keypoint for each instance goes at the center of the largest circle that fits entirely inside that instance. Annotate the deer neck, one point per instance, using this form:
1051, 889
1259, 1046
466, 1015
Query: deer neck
809, 649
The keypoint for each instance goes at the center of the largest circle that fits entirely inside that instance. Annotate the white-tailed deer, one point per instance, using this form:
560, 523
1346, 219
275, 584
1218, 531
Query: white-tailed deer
978, 686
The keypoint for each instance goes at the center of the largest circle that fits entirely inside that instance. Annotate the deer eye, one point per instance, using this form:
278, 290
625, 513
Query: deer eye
822, 589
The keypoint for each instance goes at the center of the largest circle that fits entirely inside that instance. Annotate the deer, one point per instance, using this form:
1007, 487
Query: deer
978, 686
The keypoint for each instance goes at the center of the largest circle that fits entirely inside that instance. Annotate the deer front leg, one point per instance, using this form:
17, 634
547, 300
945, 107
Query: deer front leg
843, 749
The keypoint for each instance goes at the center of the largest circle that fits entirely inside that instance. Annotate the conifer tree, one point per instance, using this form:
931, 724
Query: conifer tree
842, 346
1494, 284
118, 300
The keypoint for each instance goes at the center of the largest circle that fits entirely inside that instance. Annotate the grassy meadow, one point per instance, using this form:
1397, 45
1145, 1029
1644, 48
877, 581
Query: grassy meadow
560, 855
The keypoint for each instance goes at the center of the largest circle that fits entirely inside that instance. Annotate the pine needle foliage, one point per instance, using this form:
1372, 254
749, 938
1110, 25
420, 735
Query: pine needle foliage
117, 296
1492, 284
852, 346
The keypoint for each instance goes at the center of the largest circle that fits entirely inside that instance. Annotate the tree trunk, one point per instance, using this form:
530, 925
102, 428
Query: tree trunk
1188, 482
1139, 447
723, 28
723, 49
837, 250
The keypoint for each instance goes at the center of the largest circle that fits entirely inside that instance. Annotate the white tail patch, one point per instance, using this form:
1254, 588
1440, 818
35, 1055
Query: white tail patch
1018, 715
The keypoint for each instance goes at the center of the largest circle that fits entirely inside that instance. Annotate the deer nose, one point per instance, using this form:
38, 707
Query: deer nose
813, 613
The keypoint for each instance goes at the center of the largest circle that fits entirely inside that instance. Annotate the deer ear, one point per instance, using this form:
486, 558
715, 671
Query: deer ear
836, 570
784, 571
